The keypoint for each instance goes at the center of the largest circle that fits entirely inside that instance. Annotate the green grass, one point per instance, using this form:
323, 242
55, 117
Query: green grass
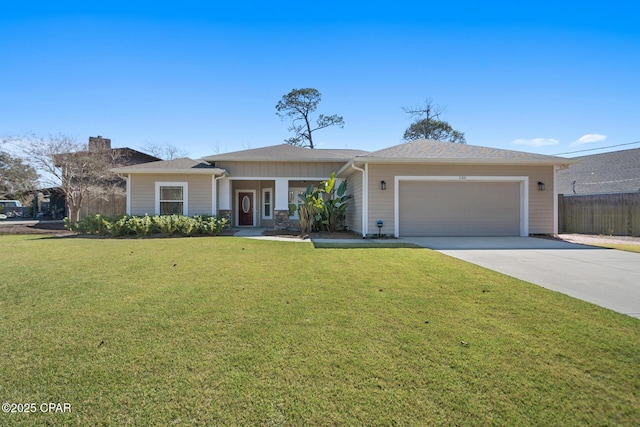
230, 331
618, 246
362, 245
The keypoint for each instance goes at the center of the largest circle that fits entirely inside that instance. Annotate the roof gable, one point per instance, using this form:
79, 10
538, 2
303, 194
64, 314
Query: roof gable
182, 165
286, 153
428, 151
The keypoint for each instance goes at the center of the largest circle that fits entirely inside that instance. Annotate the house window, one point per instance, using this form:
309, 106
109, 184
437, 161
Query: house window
267, 203
171, 198
294, 199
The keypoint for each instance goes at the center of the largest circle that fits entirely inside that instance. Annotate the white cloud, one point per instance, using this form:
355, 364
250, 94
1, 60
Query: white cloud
537, 142
589, 138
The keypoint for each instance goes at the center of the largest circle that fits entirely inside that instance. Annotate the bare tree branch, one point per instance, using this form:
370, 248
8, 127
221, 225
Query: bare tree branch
83, 173
428, 124
164, 151
16, 177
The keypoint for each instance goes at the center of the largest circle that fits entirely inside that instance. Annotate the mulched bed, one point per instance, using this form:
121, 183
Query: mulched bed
53, 228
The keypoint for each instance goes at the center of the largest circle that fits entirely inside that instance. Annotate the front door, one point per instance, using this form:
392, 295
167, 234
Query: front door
245, 208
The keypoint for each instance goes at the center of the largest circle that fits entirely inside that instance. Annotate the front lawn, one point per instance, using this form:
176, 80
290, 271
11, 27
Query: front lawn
231, 331
619, 246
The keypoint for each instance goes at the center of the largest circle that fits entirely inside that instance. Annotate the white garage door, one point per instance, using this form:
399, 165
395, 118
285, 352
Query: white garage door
436, 208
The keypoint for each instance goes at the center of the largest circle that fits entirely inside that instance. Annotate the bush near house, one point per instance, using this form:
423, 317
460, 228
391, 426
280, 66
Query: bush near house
321, 208
98, 225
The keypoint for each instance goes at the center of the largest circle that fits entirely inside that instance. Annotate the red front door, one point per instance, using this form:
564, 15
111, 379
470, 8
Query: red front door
245, 208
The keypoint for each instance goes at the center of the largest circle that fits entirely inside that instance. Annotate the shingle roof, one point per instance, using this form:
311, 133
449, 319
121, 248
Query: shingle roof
287, 153
428, 151
183, 165
613, 172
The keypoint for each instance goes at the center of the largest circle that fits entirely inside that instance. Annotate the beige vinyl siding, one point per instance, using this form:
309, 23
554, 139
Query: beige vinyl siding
143, 192
381, 202
281, 169
433, 208
354, 210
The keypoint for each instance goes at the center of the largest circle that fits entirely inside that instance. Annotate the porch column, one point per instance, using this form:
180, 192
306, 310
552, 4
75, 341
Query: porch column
281, 210
224, 198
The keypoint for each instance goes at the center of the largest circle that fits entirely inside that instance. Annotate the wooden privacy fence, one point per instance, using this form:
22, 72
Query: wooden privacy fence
610, 214
115, 204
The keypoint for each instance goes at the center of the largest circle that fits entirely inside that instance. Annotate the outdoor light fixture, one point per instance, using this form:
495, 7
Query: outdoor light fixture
383, 185
540, 186
380, 224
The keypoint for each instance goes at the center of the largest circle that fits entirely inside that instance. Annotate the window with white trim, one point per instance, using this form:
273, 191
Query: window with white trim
171, 198
267, 203
294, 199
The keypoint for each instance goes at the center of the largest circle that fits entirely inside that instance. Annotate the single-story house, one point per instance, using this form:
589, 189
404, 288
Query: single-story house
605, 173
600, 194
419, 188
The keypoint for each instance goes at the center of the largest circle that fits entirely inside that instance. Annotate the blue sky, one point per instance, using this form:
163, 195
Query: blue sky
540, 77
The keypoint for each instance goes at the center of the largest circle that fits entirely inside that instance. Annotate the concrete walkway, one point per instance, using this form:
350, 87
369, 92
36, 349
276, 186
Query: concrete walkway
256, 234
606, 277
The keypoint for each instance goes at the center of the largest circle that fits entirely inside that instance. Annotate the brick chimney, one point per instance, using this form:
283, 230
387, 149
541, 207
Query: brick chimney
99, 143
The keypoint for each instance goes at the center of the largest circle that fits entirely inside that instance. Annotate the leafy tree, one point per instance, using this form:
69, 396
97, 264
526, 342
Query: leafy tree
82, 173
298, 105
429, 126
16, 177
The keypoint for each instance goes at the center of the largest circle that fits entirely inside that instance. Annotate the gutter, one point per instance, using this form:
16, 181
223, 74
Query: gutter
467, 161
364, 198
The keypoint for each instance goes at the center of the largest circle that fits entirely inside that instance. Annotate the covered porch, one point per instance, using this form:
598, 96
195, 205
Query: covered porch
264, 202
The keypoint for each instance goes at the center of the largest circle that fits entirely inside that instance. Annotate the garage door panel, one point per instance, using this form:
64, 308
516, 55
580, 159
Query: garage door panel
429, 208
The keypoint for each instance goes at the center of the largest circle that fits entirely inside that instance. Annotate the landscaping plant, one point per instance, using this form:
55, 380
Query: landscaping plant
147, 225
323, 207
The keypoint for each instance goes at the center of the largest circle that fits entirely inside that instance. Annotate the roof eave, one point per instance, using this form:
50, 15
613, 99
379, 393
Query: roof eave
465, 161
271, 159
213, 171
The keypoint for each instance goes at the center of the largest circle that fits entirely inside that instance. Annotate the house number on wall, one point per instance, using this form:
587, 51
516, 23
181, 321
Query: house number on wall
462, 178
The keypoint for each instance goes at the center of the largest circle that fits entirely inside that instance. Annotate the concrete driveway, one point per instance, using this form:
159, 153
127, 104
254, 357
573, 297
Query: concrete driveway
606, 277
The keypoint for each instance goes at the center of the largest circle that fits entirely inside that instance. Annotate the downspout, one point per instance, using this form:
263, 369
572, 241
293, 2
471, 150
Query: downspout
128, 179
364, 200
555, 202
214, 204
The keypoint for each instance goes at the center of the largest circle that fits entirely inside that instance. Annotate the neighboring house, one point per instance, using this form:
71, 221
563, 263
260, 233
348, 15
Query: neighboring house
606, 173
601, 194
113, 204
420, 188
124, 156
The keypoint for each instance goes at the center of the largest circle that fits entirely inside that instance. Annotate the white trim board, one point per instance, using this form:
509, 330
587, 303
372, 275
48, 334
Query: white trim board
524, 194
128, 202
273, 178
185, 195
262, 203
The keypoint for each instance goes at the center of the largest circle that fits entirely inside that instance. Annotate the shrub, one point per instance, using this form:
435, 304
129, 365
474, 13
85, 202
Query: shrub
322, 207
148, 225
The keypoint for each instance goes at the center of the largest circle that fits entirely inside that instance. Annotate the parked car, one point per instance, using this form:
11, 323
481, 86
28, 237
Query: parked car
9, 208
